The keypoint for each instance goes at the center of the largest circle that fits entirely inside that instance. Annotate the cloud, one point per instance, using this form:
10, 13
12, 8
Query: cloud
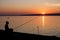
53, 1
52, 4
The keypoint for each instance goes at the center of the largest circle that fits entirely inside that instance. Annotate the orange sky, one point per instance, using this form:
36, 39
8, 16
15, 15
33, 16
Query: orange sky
29, 6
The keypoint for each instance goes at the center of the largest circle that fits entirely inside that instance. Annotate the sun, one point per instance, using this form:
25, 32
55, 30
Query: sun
43, 12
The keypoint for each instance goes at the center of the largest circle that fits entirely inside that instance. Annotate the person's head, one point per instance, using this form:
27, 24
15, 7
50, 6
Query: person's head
7, 22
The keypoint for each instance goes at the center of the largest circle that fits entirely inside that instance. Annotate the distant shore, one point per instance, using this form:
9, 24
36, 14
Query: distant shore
53, 14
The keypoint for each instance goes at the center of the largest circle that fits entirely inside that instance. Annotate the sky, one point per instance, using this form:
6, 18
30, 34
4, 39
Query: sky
29, 6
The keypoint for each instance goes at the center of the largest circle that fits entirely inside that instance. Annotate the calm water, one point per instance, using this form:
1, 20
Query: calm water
47, 25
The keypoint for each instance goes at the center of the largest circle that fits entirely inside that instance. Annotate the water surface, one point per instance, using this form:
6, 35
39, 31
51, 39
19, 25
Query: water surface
46, 25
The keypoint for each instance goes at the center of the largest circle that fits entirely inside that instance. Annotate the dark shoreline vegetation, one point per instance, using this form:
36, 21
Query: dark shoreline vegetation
24, 36
52, 14
8, 33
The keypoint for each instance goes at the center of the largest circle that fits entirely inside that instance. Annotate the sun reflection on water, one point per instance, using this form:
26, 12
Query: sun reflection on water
43, 20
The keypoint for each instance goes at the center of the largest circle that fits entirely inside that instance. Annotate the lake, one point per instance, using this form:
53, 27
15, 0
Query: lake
43, 25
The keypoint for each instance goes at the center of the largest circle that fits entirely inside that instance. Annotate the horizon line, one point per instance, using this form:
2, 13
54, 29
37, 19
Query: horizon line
56, 14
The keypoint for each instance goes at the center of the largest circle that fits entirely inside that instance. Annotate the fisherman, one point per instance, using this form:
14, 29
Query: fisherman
6, 26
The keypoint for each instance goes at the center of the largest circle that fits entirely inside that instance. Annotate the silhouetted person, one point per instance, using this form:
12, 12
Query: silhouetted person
6, 26
7, 29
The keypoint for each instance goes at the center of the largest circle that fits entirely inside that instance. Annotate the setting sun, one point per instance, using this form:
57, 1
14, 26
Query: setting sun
43, 12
